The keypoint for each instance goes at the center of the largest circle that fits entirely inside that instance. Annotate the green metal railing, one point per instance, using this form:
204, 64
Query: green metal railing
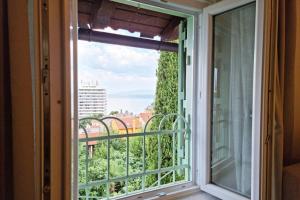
177, 132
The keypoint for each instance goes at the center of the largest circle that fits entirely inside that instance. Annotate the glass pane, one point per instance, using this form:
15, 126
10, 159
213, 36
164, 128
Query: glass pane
232, 90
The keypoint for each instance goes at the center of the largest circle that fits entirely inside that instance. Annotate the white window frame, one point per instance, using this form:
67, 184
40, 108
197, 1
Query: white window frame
199, 106
203, 128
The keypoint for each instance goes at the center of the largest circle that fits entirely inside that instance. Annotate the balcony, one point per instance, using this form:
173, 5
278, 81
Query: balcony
117, 163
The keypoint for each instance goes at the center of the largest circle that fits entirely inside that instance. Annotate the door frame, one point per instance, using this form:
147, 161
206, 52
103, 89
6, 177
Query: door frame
205, 56
63, 156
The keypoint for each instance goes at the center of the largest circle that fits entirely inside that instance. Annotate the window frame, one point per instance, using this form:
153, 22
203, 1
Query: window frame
203, 129
191, 89
198, 93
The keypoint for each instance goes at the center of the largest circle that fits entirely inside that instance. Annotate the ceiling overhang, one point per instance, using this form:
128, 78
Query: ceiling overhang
99, 14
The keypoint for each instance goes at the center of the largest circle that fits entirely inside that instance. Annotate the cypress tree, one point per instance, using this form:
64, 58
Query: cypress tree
166, 98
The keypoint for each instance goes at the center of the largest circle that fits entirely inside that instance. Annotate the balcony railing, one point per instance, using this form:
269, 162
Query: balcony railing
154, 157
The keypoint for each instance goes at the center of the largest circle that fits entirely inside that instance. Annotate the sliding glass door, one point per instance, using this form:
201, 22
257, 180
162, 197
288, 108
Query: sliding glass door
233, 39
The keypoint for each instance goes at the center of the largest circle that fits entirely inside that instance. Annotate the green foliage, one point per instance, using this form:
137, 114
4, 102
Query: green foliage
97, 165
167, 84
114, 112
98, 116
166, 99
85, 122
165, 102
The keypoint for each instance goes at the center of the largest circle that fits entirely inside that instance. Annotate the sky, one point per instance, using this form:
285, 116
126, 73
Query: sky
127, 73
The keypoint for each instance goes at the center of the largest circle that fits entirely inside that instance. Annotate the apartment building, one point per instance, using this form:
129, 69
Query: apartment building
92, 99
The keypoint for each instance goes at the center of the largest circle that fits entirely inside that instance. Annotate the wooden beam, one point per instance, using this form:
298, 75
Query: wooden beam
94, 11
103, 37
134, 27
170, 31
140, 18
102, 14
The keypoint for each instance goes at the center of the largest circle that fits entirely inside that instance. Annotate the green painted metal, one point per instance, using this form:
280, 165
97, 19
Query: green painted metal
144, 161
181, 85
162, 132
150, 172
182, 131
159, 157
174, 152
188, 149
185, 95
136, 192
168, 170
127, 163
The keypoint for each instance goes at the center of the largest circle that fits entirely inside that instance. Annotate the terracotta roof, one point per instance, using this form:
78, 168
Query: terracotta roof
92, 133
145, 116
130, 121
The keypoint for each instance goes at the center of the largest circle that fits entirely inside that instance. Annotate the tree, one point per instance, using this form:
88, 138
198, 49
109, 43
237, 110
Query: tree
166, 99
114, 112
98, 116
87, 121
97, 166
165, 102
167, 84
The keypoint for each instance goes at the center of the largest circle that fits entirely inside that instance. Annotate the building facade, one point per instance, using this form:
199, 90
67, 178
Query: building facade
92, 99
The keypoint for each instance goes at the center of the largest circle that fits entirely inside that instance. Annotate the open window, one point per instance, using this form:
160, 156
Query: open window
212, 137
122, 153
230, 105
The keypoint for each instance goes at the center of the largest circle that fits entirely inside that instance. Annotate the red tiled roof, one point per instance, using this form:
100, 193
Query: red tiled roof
130, 121
145, 116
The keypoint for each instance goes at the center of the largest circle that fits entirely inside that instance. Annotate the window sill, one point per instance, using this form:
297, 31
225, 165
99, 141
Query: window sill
192, 193
186, 191
200, 195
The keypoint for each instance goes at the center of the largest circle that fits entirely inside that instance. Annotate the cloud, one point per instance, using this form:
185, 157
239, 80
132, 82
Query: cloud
117, 59
128, 74
125, 32
115, 83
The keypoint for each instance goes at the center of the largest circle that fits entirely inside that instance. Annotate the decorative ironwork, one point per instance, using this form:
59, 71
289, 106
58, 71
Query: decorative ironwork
180, 129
